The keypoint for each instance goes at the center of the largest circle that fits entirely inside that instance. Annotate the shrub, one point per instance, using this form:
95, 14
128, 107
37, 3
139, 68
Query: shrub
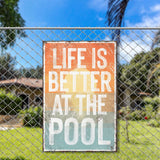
9, 103
153, 103
124, 113
158, 114
151, 111
139, 115
154, 123
148, 108
32, 117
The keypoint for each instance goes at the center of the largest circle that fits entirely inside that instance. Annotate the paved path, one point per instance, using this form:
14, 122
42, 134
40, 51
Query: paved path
11, 124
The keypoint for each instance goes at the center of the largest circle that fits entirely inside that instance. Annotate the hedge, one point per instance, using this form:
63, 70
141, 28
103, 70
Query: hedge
10, 104
32, 117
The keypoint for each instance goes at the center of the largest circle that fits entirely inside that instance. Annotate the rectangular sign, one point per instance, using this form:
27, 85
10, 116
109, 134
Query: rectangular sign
79, 96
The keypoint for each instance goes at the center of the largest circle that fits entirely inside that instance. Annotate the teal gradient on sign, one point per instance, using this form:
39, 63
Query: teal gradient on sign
59, 142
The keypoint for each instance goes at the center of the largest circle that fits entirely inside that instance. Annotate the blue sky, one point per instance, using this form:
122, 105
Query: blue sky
82, 13
51, 13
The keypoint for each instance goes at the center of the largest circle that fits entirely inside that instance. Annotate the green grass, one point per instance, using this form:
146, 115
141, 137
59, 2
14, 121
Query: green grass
26, 143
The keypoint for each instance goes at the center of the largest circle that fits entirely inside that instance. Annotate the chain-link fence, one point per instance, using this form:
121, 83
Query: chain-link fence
21, 91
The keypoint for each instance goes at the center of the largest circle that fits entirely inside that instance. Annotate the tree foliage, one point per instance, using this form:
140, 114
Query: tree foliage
7, 67
156, 41
31, 72
10, 17
32, 117
9, 103
137, 72
9, 71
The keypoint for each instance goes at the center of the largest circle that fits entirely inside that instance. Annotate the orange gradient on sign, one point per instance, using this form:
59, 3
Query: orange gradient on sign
48, 60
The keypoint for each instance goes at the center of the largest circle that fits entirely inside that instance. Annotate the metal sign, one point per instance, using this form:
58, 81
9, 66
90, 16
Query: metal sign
79, 96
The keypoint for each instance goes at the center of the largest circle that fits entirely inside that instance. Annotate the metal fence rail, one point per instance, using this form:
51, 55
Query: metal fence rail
138, 85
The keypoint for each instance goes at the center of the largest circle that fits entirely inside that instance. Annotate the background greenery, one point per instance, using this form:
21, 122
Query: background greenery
27, 144
9, 103
32, 117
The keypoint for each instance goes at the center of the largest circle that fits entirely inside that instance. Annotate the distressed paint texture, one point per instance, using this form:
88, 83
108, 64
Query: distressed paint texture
80, 93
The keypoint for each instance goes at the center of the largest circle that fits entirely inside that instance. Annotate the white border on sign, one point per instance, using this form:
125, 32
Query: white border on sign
115, 98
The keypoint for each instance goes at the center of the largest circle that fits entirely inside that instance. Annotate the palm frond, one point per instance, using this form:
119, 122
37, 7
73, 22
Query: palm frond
115, 14
152, 72
156, 40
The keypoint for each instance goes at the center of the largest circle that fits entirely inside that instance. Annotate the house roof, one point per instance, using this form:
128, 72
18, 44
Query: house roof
30, 82
144, 93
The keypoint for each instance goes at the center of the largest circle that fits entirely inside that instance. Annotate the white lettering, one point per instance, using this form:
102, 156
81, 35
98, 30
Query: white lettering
53, 130
67, 131
57, 105
84, 131
55, 66
70, 57
102, 58
100, 134
80, 57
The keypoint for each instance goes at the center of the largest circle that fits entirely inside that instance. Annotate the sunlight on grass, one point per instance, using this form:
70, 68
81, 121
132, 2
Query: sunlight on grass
26, 143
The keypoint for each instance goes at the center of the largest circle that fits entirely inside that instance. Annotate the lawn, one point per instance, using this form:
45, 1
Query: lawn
26, 143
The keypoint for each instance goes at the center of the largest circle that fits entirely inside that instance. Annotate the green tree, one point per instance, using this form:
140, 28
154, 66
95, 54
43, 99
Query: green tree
137, 73
10, 17
154, 72
31, 72
156, 41
7, 67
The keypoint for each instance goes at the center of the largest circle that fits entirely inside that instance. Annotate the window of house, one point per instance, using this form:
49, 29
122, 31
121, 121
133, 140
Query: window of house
38, 100
139, 104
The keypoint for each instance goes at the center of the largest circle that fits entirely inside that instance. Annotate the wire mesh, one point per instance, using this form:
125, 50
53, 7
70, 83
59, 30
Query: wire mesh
21, 92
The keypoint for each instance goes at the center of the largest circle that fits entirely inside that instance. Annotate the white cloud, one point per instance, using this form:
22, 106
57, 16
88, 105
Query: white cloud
150, 18
98, 5
155, 8
147, 21
128, 49
143, 10
100, 18
107, 38
134, 43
